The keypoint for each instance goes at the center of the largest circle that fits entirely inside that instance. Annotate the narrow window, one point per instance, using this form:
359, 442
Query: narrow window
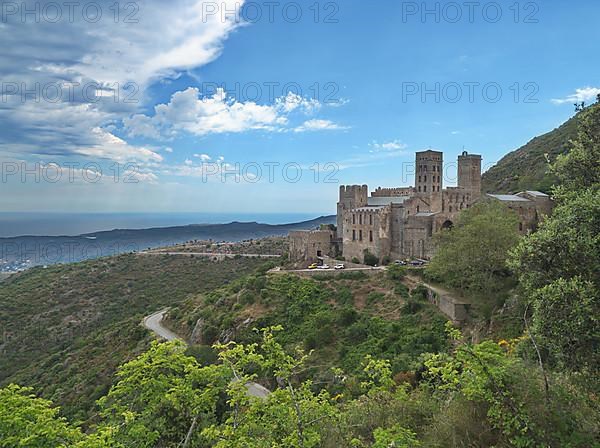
425, 188
354, 235
353, 219
371, 236
360, 235
520, 227
370, 220
425, 179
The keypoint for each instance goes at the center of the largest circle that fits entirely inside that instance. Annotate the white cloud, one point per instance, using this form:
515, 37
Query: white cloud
393, 145
102, 57
190, 112
587, 94
203, 157
319, 125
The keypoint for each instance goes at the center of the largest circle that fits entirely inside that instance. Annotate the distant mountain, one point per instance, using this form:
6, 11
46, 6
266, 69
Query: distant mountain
527, 167
26, 251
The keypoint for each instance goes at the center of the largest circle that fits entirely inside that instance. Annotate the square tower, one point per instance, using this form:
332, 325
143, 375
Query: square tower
429, 177
469, 173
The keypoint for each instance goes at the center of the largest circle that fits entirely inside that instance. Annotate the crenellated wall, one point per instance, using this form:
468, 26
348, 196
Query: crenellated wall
351, 197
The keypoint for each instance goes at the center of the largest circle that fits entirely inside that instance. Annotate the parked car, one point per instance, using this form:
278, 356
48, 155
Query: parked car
325, 266
400, 262
313, 266
339, 266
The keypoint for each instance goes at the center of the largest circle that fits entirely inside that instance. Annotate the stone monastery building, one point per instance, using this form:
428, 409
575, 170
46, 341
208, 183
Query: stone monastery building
398, 223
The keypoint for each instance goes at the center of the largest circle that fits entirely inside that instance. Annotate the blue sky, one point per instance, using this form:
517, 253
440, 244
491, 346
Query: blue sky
312, 103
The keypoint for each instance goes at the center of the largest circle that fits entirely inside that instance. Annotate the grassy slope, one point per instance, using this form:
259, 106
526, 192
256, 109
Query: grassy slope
527, 167
342, 319
67, 328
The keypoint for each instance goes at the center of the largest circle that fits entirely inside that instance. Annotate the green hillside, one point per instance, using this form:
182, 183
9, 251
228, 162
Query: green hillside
342, 319
527, 168
67, 328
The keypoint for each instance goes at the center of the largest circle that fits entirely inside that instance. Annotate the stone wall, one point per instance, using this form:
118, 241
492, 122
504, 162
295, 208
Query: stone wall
367, 229
455, 310
308, 245
392, 192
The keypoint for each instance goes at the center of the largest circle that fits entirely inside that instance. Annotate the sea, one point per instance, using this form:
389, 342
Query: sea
74, 224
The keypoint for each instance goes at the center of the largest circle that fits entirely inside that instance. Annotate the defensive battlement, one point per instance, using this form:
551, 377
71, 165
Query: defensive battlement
466, 155
352, 191
392, 192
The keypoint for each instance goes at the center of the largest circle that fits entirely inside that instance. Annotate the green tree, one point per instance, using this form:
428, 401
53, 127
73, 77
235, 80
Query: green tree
30, 422
559, 266
291, 416
580, 167
163, 397
472, 255
559, 272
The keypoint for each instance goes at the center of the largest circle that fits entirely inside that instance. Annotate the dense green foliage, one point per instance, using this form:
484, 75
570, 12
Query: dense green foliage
472, 255
342, 318
559, 266
67, 328
475, 395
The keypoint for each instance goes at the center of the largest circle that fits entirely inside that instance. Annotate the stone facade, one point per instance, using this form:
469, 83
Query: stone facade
530, 206
399, 223
310, 245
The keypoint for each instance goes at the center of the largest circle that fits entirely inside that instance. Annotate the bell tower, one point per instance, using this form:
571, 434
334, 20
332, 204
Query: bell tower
469, 173
429, 177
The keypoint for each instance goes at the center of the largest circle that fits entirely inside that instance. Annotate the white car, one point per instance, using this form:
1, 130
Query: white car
339, 266
325, 266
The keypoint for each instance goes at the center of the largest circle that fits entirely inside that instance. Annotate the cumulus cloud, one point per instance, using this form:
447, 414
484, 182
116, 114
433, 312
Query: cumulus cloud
99, 73
586, 94
190, 112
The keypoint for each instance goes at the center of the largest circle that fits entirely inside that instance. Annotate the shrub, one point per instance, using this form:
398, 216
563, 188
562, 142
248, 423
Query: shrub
402, 290
420, 293
352, 275
355, 260
412, 306
395, 272
370, 259
375, 297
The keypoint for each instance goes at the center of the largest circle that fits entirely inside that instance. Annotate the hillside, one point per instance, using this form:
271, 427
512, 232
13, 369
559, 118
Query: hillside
26, 251
342, 319
527, 167
66, 328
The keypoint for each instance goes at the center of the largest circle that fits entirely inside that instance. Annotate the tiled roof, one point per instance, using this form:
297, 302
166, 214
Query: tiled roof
386, 200
537, 193
508, 197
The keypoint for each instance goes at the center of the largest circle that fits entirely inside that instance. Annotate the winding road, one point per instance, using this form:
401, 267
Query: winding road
153, 322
